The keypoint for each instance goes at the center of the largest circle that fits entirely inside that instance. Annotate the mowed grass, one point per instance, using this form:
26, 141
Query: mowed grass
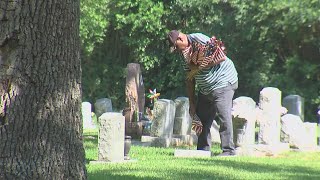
160, 163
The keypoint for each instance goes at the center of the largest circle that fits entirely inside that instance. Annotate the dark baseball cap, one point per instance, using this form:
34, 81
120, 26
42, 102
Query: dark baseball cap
172, 38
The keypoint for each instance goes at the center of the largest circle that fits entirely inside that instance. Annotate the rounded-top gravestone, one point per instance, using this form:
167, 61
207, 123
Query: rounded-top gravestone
102, 105
294, 105
86, 116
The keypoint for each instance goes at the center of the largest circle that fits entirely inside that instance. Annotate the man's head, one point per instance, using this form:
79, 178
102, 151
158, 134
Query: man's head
177, 40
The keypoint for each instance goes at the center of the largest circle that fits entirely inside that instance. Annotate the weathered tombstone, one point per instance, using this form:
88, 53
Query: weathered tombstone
298, 134
134, 90
182, 119
135, 100
244, 118
161, 142
269, 118
164, 112
214, 131
311, 129
86, 116
294, 105
111, 137
102, 105
267, 115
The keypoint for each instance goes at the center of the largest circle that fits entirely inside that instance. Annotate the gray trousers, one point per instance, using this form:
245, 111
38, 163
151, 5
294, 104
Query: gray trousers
209, 107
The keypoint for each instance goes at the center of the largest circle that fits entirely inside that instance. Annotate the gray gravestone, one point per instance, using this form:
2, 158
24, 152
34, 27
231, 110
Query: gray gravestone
182, 120
269, 118
161, 142
244, 118
86, 116
102, 105
294, 105
111, 137
162, 124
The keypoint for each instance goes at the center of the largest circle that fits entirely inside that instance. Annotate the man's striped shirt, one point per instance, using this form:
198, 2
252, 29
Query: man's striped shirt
218, 76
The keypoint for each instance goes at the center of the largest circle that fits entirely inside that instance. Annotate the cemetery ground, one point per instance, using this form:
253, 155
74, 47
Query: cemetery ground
160, 163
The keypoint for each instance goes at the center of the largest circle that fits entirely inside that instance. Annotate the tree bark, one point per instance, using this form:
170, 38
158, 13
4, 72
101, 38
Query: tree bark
40, 90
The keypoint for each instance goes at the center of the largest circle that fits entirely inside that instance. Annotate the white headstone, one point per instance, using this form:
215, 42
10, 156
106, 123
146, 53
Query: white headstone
182, 120
86, 116
269, 119
244, 118
311, 129
298, 134
162, 124
111, 137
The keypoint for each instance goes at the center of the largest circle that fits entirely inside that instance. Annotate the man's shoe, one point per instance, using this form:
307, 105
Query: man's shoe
206, 148
226, 154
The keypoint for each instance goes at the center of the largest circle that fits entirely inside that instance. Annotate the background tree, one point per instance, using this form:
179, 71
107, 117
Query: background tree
93, 23
41, 125
272, 43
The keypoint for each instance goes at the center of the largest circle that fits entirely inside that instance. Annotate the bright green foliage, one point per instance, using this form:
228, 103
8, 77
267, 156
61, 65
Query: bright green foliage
141, 19
93, 22
281, 47
272, 43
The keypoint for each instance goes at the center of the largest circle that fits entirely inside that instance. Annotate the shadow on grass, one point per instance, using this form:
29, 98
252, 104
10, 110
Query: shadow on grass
159, 174
92, 140
102, 175
90, 144
283, 171
207, 169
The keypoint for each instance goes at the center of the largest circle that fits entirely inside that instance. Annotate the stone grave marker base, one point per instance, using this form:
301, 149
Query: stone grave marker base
176, 140
114, 162
134, 129
310, 149
186, 153
262, 149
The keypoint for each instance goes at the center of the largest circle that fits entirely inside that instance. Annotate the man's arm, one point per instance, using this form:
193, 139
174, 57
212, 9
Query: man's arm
196, 122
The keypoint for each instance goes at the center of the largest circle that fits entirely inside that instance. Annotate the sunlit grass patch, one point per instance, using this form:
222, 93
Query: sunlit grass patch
160, 163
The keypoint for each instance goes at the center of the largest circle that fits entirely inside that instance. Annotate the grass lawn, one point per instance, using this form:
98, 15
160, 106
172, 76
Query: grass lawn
159, 163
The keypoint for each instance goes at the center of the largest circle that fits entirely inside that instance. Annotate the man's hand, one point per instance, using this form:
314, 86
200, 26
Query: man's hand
196, 124
194, 70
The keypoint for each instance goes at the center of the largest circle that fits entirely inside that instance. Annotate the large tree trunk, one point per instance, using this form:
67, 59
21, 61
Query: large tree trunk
40, 90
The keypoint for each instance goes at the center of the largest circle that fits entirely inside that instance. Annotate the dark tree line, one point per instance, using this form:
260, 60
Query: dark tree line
273, 43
